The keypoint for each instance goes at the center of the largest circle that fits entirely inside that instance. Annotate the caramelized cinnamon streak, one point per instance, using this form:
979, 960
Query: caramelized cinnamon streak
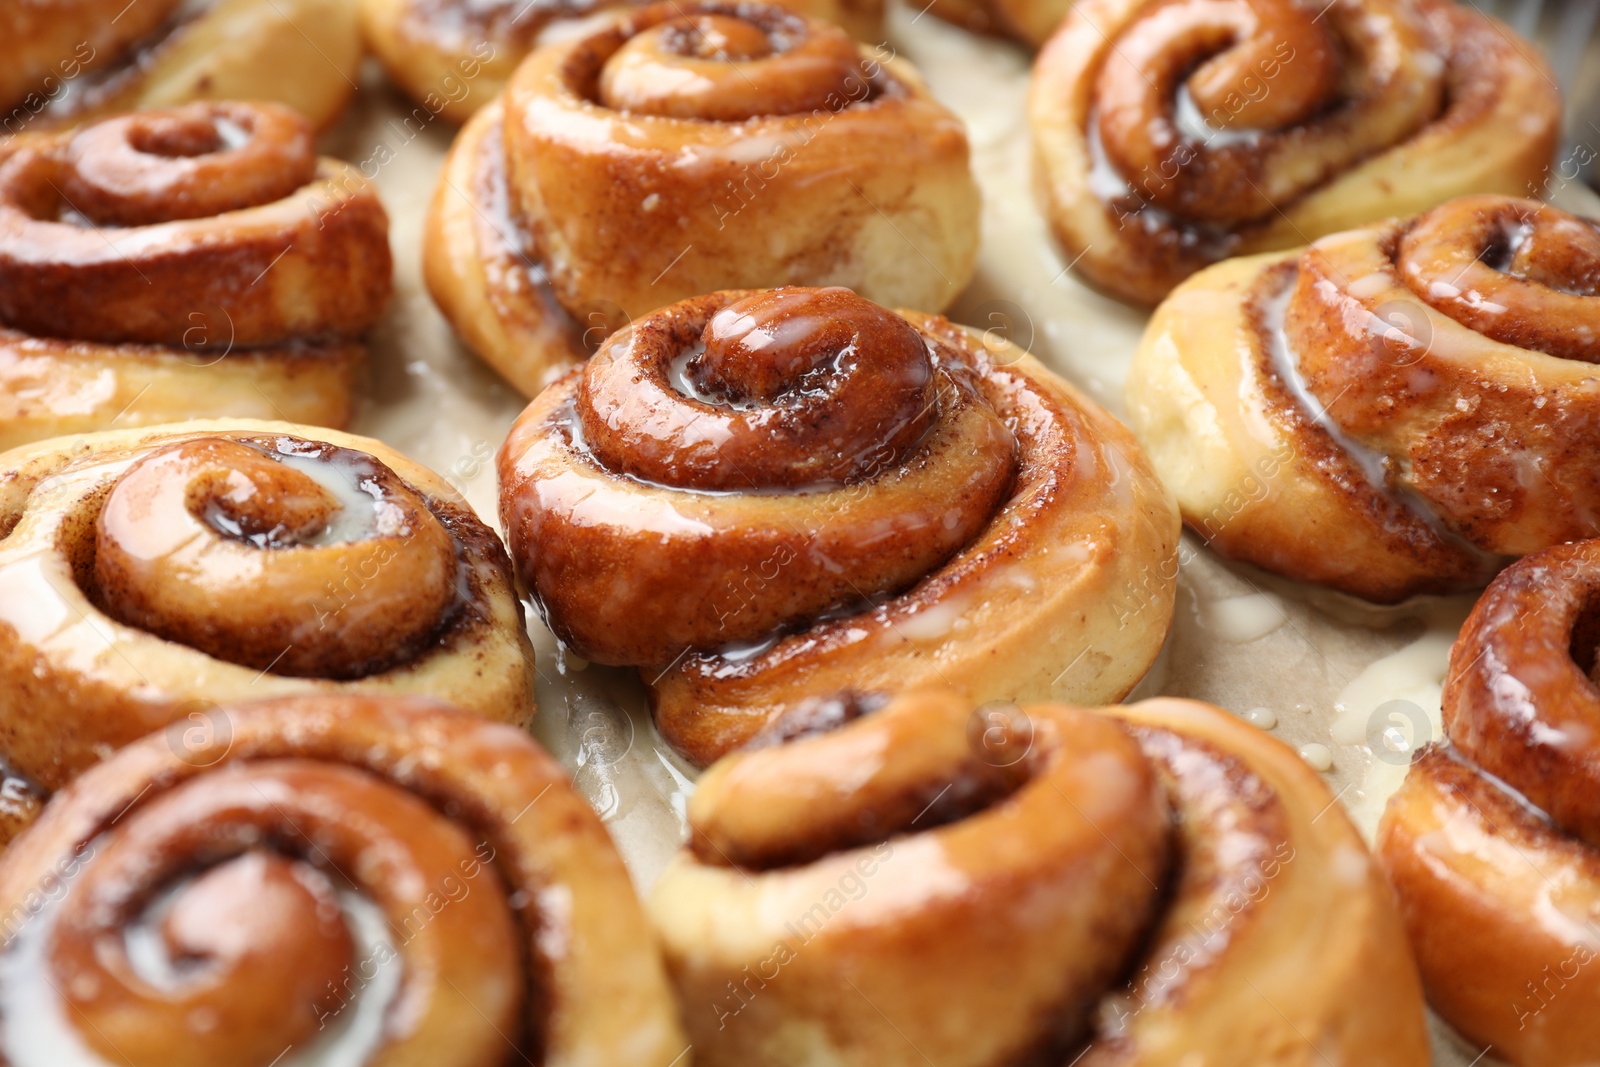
854, 506
1424, 385
1499, 440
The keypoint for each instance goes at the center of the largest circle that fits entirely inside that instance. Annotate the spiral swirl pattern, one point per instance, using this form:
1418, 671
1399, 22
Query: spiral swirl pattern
730, 67
1030, 858
355, 879
179, 170
766, 493
453, 56
1426, 390
740, 144
841, 392
194, 530
1491, 840
1174, 133
1517, 271
200, 259
141, 572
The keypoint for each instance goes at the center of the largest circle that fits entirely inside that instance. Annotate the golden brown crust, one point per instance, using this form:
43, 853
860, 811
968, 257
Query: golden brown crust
1028, 22
145, 250
1018, 546
1491, 840
51, 388
923, 883
80, 676
483, 272
1517, 700
87, 58
502, 918
1383, 448
779, 187
1256, 125
1499, 910
46, 42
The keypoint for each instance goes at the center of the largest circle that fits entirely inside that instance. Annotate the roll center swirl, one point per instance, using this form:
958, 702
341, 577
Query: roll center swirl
248, 912
729, 63
190, 162
307, 560
1216, 109
1521, 272
785, 389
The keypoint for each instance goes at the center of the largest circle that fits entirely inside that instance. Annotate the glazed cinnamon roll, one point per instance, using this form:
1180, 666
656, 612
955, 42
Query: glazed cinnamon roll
454, 56
684, 148
1395, 410
335, 879
1157, 883
757, 498
1028, 22
1491, 842
190, 261
1170, 134
67, 61
144, 571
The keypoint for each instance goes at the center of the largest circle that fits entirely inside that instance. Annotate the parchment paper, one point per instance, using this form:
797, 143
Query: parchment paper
1319, 669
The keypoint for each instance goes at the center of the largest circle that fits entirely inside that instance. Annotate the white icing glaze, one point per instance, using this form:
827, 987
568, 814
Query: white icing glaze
1263, 717
1317, 756
1242, 619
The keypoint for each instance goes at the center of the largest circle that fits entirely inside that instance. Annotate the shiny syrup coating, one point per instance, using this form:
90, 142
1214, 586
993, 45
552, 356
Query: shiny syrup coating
330, 861
1519, 271
1429, 342
186, 162
1173, 134
1213, 49
1128, 871
1491, 840
140, 228
1520, 698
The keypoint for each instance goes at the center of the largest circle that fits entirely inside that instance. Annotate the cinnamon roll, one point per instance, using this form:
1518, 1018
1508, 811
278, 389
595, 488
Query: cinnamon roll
1157, 883
68, 61
684, 148
757, 498
1028, 22
1170, 134
1395, 410
189, 261
1491, 841
143, 571
327, 879
453, 56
